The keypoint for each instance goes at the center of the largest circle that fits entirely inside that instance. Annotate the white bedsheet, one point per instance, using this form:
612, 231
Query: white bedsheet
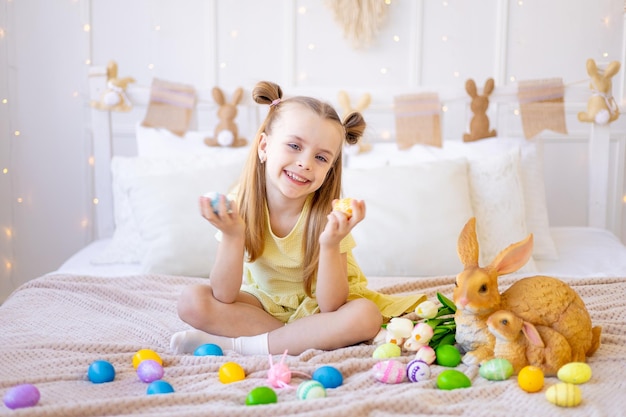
583, 252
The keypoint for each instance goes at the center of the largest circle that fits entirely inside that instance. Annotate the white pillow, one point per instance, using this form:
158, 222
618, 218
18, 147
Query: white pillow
126, 245
178, 240
537, 221
498, 203
414, 215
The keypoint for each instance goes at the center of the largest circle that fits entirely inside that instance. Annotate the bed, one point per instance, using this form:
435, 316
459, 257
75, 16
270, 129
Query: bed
118, 294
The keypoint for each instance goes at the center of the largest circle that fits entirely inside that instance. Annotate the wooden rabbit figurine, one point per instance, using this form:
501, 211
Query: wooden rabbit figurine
347, 108
523, 343
540, 300
479, 125
226, 131
601, 107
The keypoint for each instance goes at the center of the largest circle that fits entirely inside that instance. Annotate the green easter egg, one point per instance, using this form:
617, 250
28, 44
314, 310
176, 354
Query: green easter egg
448, 355
261, 395
453, 379
386, 351
497, 369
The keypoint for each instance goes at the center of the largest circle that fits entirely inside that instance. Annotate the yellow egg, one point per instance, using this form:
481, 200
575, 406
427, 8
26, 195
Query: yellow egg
530, 379
387, 350
564, 394
144, 354
231, 372
344, 205
575, 373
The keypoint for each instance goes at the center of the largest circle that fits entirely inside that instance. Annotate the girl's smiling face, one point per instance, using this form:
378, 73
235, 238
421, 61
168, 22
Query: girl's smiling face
300, 150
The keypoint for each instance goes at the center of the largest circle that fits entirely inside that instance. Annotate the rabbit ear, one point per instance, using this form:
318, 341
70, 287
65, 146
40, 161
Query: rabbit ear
489, 84
344, 101
364, 102
467, 246
592, 69
237, 95
111, 70
531, 333
513, 257
470, 87
218, 96
611, 69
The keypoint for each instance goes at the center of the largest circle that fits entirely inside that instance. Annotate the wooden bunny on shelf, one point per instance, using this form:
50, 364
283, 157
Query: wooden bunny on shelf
226, 131
479, 125
540, 300
601, 107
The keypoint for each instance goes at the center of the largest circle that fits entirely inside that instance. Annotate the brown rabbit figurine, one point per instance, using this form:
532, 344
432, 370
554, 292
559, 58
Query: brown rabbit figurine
601, 107
479, 125
523, 343
540, 300
226, 131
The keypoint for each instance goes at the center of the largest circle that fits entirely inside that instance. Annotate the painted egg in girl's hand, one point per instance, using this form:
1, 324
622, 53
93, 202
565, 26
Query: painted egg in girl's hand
215, 201
343, 205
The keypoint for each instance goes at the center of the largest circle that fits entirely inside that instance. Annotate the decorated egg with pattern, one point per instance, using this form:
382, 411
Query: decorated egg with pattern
574, 373
390, 371
311, 389
564, 394
417, 371
497, 369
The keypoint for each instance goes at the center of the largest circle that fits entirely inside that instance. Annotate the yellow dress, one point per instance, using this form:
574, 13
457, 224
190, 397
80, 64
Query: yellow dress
276, 278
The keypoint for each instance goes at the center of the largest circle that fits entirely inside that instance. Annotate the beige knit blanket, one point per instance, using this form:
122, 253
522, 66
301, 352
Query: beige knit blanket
53, 327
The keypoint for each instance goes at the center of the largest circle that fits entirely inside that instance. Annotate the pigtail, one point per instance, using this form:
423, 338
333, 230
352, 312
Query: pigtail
354, 125
267, 92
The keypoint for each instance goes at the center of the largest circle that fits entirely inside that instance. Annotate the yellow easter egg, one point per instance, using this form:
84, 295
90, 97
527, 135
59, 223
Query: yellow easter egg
144, 354
231, 372
530, 379
344, 205
387, 350
574, 373
564, 394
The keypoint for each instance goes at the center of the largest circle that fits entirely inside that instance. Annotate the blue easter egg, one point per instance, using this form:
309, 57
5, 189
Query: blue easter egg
149, 370
21, 396
100, 372
328, 376
159, 387
208, 349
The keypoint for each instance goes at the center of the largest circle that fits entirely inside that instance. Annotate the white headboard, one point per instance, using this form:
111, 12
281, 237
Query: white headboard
595, 154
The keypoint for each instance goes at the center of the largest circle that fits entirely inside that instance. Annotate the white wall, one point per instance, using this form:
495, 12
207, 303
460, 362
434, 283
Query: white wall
46, 211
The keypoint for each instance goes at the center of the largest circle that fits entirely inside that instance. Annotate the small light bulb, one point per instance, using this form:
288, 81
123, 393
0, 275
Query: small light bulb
91, 161
302, 10
234, 33
444, 38
8, 265
456, 74
157, 28
444, 108
5, 170
150, 67
84, 223
20, 200
384, 71
88, 61
605, 54
16, 133
396, 38
87, 27
516, 112
311, 46
512, 78
8, 232
95, 201
223, 65
5, 100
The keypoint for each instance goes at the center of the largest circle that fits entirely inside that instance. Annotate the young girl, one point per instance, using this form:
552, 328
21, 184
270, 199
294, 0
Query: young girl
284, 277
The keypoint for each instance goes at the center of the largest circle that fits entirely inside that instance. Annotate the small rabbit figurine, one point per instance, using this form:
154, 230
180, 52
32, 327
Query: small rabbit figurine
479, 125
346, 107
226, 131
540, 300
114, 98
523, 343
601, 107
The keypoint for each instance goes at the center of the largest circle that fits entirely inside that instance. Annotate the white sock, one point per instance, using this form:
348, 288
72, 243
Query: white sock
188, 341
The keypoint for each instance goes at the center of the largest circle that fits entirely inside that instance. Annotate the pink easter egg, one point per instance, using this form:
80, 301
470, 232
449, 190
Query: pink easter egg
390, 371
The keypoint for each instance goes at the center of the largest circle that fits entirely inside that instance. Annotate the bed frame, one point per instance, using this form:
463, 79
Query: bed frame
589, 154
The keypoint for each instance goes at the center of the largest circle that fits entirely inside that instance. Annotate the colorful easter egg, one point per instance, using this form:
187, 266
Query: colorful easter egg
574, 373
311, 389
208, 349
498, 369
21, 396
149, 370
159, 387
390, 371
143, 354
417, 371
215, 201
261, 395
344, 205
530, 378
564, 394
448, 355
452, 379
328, 376
386, 351
100, 372
231, 372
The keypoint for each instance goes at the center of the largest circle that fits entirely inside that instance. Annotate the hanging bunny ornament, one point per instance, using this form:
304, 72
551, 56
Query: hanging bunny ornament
601, 107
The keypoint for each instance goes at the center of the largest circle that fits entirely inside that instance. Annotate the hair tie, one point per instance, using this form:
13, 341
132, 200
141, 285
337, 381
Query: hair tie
275, 102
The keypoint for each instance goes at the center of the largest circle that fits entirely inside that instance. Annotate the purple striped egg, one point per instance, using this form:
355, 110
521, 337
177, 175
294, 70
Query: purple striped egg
390, 371
417, 371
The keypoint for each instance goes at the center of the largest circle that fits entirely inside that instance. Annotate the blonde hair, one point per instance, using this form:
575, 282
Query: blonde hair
252, 198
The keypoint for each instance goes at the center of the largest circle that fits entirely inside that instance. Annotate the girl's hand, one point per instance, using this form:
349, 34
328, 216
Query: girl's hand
227, 219
339, 225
